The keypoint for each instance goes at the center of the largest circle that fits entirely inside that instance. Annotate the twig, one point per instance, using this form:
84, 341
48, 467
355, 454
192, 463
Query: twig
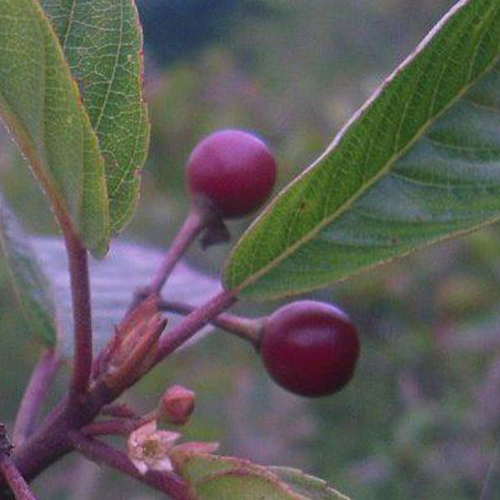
113, 427
119, 410
16, 482
119, 426
82, 316
98, 451
34, 396
9, 471
245, 328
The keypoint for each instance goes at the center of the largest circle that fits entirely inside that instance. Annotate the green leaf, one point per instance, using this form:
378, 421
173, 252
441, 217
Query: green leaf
196, 466
309, 486
213, 477
30, 284
114, 281
244, 485
102, 43
418, 163
41, 107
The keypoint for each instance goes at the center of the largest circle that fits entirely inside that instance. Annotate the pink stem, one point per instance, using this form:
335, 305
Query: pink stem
245, 328
194, 322
119, 410
119, 426
16, 482
195, 222
193, 225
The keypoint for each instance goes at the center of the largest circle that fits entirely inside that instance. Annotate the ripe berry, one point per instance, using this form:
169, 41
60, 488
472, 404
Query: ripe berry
310, 348
232, 169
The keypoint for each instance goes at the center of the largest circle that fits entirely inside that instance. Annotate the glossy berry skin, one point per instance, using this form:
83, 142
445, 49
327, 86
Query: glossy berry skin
233, 170
310, 348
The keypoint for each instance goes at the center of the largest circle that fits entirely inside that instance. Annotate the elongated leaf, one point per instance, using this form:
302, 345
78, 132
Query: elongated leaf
114, 281
28, 280
41, 106
102, 43
418, 163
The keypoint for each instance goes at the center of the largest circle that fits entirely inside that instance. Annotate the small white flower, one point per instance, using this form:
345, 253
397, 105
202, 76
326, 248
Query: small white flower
148, 448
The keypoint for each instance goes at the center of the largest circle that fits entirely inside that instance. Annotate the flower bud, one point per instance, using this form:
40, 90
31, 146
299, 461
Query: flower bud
176, 406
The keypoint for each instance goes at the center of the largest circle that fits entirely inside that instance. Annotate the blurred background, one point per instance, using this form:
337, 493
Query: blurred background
421, 418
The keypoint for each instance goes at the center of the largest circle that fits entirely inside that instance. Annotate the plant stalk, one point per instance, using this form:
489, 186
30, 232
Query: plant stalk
244, 328
196, 221
194, 322
15, 480
82, 315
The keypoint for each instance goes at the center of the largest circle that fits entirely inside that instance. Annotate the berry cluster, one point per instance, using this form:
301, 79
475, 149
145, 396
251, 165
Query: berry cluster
309, 348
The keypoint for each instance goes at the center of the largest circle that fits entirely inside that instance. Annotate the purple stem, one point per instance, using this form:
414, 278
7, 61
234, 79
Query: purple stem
98, 451
16, 482
245, 328
82, 315
195, 222
117, 426
34, 396
194, 322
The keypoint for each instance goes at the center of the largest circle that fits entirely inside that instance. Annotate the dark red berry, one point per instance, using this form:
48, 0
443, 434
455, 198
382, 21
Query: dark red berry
310, 348
232, 169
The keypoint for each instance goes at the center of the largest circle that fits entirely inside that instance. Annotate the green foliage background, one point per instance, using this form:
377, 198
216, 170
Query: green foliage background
420, 420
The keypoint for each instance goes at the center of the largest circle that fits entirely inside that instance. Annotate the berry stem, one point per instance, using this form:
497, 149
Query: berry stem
193, 225
15, 480
195, 222
34, 396
98, 451
244, 328
193, 322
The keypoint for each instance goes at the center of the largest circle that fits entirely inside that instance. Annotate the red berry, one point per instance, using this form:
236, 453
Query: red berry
310, 348
232, 169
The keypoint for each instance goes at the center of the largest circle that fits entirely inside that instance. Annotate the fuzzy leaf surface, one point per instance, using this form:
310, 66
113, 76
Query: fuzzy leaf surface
29, 282
102, 42
113, 282
40, 105
418, 163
